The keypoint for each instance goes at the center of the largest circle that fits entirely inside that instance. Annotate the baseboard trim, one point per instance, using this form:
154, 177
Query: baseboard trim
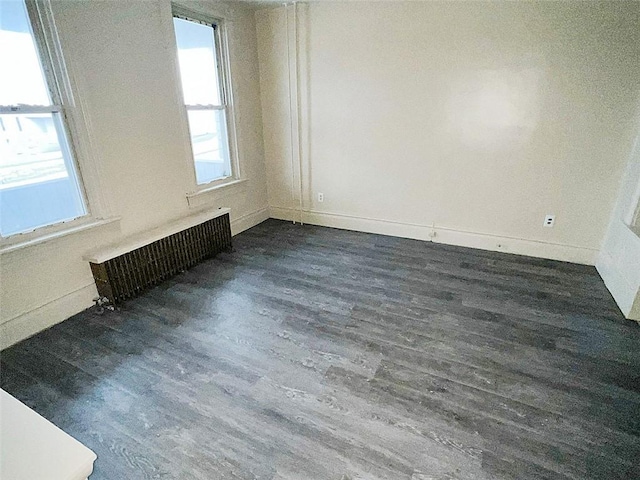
249, 220
440, 234
56, 311
27, 324
49, 314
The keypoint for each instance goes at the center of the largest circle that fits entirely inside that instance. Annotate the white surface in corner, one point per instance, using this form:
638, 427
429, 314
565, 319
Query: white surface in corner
619, 259
32, 447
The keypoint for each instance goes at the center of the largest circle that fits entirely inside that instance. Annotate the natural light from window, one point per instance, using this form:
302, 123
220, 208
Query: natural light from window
204, 99
38, 181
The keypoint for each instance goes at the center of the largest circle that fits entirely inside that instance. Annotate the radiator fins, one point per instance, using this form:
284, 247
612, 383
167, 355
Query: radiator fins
127, 275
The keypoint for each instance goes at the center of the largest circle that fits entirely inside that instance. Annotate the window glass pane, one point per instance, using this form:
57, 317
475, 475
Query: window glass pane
22, 80
38, 185
208, 129
197, 58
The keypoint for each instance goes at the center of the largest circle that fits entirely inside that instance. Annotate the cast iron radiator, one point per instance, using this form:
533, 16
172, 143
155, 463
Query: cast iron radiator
130, 273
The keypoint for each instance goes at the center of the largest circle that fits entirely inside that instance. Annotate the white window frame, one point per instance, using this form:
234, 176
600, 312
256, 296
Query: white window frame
73, 127
634, 221
219, 25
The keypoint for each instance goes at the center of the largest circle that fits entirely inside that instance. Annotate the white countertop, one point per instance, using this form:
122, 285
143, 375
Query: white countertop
33, 448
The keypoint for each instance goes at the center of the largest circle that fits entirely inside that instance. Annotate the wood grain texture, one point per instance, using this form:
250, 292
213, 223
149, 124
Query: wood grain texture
313, 353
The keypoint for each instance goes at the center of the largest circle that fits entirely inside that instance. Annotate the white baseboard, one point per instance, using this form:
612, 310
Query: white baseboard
49, 314
56, 311
249, 220
439, 234
34, 321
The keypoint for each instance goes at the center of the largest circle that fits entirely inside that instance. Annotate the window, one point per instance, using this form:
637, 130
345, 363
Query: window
39, 183
202, 74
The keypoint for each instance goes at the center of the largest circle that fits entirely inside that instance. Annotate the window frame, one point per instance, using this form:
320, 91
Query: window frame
59, 85
223, 65
634, 221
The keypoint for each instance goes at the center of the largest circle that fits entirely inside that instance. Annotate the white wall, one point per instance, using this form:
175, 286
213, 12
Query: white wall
469, 121
619, 259
121, 56
465, 122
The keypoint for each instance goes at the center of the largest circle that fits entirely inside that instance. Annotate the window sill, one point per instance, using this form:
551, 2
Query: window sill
16, 243
222, 190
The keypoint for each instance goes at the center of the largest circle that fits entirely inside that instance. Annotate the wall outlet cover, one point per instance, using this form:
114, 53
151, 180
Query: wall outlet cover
549, 221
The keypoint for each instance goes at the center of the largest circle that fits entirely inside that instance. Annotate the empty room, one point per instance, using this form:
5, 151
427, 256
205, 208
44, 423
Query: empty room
341, 240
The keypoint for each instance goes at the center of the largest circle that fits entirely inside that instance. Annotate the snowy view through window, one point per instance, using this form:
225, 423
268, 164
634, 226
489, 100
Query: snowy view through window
203, 99
38, 184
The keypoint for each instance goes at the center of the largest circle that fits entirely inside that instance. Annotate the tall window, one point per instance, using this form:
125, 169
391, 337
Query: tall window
205, 96
39, 183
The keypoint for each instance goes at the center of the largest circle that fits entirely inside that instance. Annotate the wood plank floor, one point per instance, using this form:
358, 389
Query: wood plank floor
313, 353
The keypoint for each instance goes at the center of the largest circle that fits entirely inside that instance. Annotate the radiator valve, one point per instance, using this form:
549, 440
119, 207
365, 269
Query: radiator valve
102, 304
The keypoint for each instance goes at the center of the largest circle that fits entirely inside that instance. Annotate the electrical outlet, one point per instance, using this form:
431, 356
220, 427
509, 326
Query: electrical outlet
549, 220
321, 197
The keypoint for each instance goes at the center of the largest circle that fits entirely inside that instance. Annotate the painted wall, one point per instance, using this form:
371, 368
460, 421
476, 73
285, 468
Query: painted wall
122, 60
274, 27
619, 259
460, 122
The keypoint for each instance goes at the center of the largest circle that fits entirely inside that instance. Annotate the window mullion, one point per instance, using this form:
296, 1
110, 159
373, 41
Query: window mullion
222, 84
205, 107
25, 109
67, 156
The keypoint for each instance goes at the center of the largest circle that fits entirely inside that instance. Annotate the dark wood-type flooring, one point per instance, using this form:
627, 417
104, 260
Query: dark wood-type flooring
314, 353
